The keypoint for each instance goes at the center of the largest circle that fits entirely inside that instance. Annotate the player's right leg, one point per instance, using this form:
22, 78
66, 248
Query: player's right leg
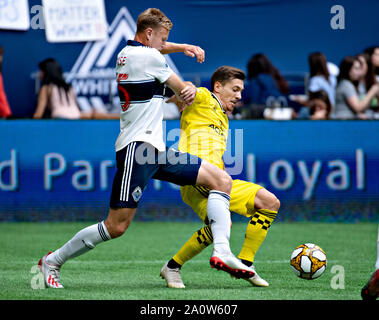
261, 207
220, 184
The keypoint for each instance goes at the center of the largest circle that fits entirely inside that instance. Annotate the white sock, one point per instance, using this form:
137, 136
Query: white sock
85, 240
377, 254
219, 220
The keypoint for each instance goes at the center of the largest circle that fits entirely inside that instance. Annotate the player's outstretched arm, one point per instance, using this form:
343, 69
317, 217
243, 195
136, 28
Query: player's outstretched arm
188, 49
184, 91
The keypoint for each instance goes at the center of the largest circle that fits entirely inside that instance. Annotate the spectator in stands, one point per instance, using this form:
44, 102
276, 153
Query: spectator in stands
265, 86
367, 78
5, 110
323, 77
320, 78
367, 81
373, 52
57, 98
318, 107
348, 105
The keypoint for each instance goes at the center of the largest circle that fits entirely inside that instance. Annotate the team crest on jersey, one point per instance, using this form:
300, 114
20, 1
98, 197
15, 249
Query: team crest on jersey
136, 194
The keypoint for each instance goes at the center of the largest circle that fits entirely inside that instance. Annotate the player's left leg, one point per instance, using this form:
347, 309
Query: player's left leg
114, 226
83, 241
265, 207
121, 212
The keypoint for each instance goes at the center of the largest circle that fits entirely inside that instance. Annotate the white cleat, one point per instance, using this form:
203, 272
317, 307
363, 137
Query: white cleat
257, 281
51, 274
172, 277
229, 263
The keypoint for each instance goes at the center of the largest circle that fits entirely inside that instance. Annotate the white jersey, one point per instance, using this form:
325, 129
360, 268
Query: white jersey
141, 72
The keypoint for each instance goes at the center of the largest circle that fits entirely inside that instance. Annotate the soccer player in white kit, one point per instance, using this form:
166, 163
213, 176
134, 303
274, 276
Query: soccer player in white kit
142, 73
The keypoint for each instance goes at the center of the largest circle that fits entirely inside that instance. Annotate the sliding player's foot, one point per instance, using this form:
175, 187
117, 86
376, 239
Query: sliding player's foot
51, 273
229, 263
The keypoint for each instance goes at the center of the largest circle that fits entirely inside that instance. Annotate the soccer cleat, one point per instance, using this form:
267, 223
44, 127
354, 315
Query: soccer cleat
50, 273
371, 289
256, 280
229, 263
172, 277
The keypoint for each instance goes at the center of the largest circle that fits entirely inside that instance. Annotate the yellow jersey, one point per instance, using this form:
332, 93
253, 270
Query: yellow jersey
204, 128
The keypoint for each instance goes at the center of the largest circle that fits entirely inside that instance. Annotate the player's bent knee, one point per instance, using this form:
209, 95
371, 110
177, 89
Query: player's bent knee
273, 204
276, 204
266, 200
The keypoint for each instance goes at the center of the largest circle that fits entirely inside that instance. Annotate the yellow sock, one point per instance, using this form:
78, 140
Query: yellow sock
256, 232
197, 243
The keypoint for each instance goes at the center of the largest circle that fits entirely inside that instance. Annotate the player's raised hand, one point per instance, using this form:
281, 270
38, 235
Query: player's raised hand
194, 51
188, 49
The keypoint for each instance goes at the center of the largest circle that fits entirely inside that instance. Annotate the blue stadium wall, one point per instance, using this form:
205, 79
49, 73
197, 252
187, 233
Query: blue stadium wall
55, 170
230, 31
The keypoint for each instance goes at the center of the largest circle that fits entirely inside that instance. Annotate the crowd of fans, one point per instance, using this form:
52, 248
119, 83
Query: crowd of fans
350, 91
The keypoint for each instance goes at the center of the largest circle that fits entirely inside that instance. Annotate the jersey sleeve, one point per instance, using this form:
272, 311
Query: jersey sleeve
202, 96
157, 67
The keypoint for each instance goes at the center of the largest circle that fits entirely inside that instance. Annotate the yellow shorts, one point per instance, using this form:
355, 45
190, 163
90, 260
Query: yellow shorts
241, 198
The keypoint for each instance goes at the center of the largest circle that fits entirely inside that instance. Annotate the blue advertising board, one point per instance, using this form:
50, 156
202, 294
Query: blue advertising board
63, 170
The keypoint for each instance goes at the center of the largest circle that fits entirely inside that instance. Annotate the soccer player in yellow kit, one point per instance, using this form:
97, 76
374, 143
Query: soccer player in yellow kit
204, 133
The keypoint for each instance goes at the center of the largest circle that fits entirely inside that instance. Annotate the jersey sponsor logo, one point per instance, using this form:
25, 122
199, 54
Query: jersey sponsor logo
93, 74
218, 130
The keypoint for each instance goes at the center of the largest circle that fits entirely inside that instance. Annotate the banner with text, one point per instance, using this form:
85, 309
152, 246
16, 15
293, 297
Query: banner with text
14, 15
73, 21
55, 167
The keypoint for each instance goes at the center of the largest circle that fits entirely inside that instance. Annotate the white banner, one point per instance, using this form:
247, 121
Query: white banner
14, 14
75, 20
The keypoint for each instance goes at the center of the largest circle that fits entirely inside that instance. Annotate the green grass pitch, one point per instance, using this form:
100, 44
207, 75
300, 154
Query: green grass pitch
128, 267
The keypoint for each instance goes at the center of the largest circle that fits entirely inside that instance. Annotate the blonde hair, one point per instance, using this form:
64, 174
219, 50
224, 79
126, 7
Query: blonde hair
153, 18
